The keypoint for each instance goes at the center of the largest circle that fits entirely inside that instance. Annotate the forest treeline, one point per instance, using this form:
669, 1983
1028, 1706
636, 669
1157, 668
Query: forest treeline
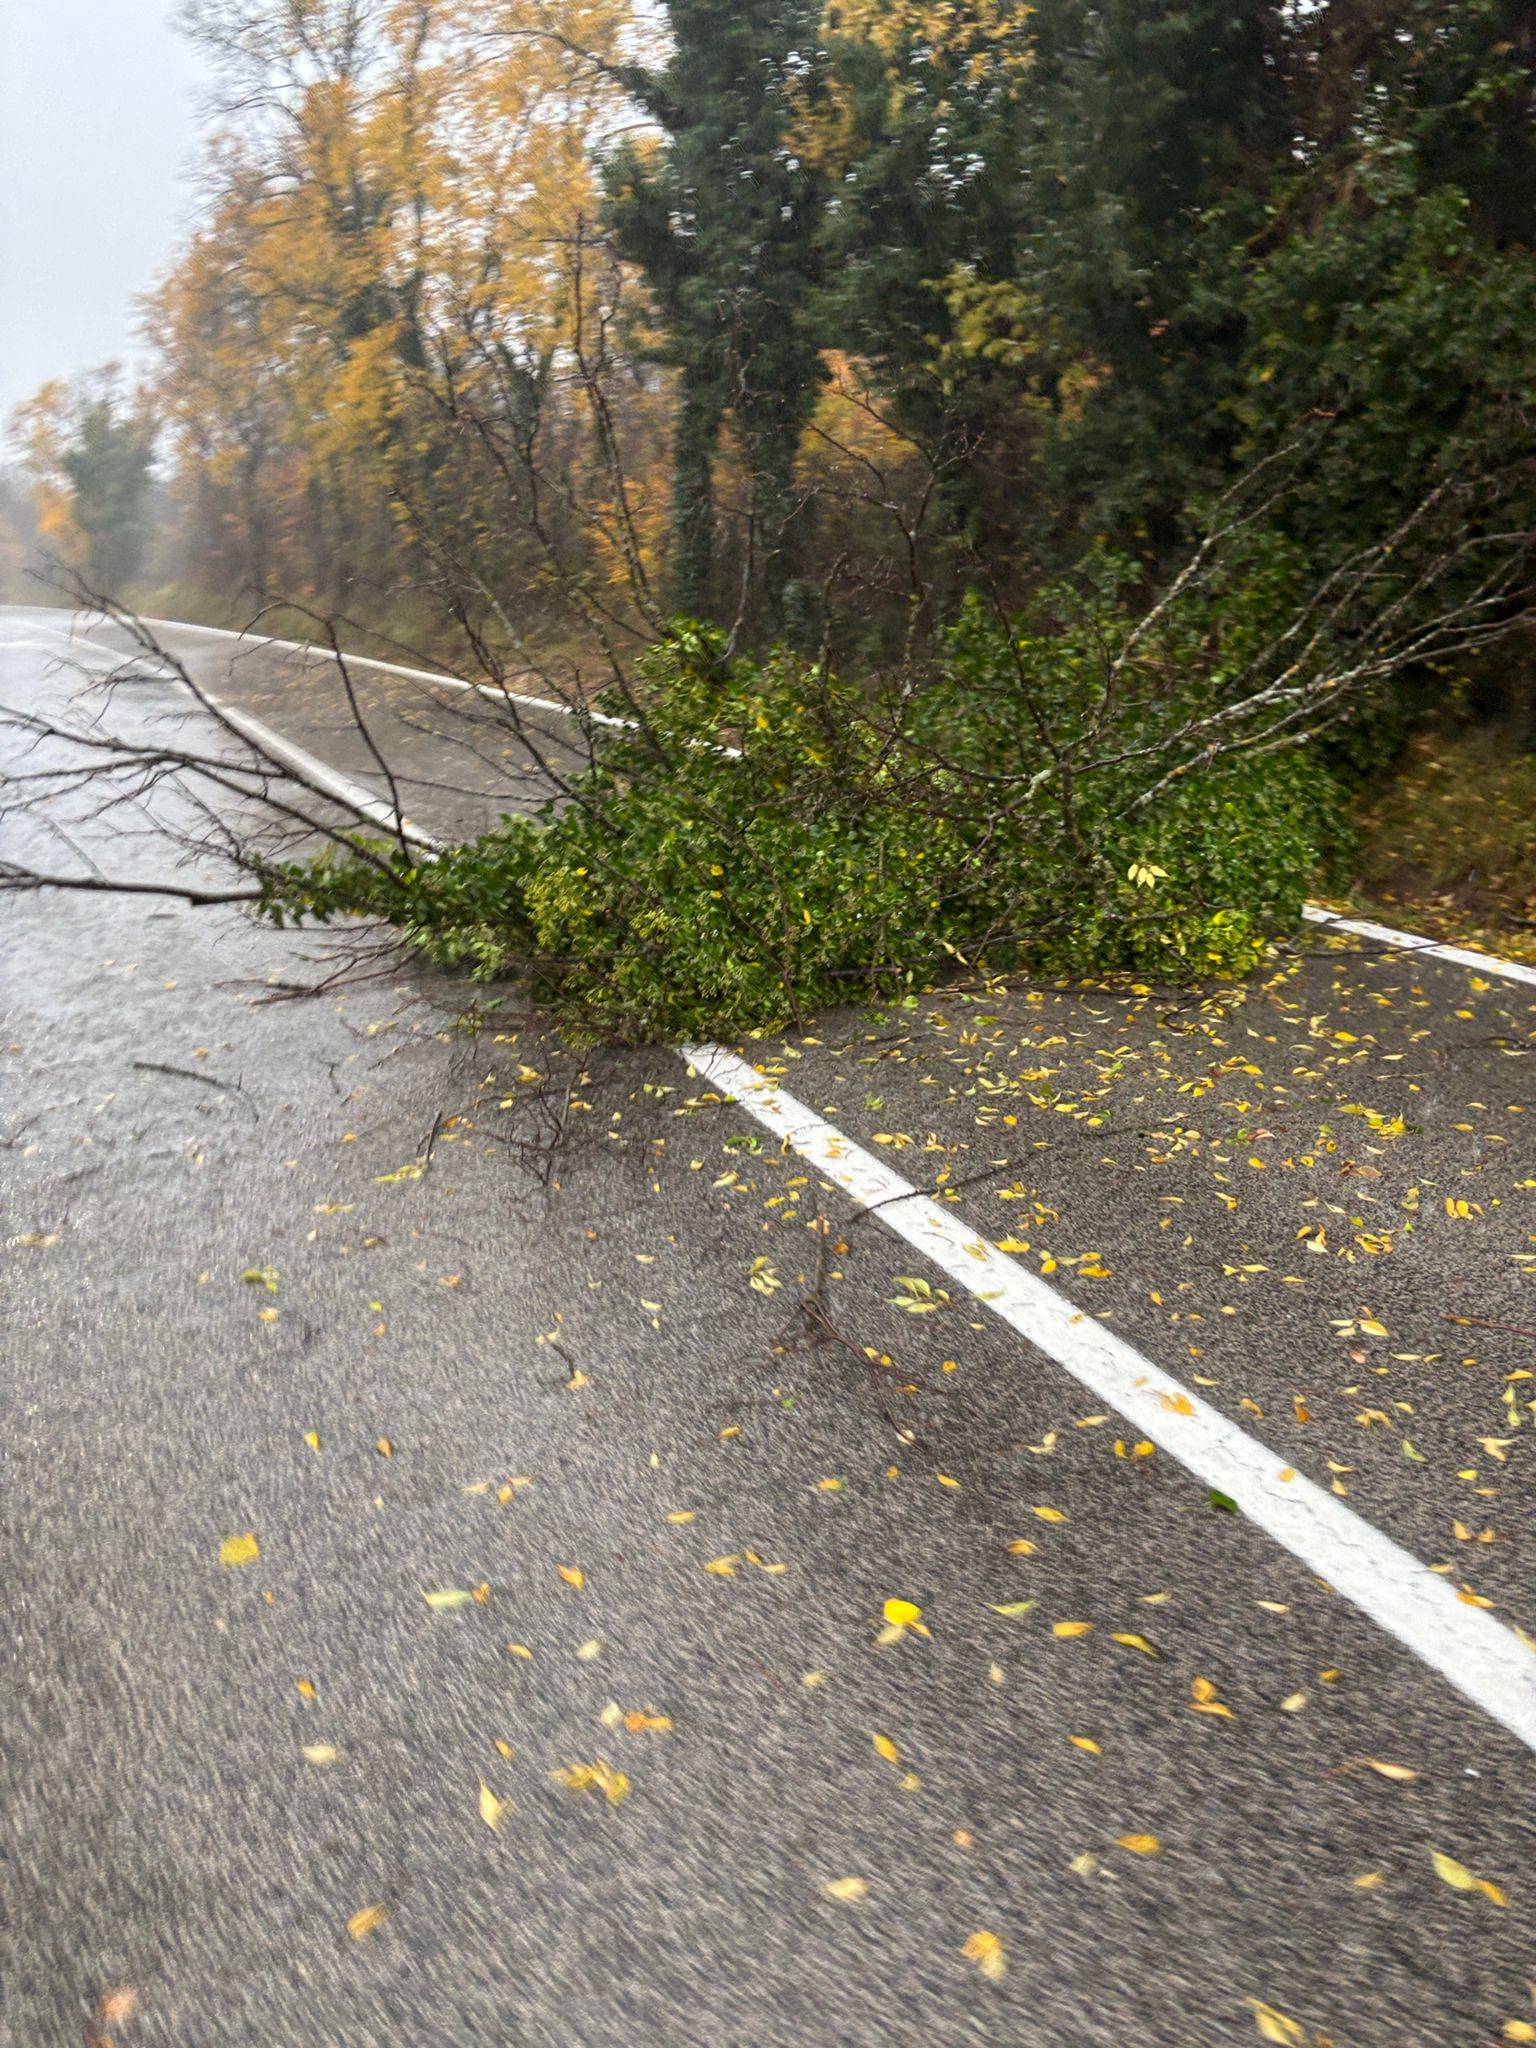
763, 298
532, 327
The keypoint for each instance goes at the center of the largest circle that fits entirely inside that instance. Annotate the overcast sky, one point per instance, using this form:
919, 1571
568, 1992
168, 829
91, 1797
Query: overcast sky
98, 131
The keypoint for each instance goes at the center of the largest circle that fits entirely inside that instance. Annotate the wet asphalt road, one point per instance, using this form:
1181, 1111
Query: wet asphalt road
548, 1379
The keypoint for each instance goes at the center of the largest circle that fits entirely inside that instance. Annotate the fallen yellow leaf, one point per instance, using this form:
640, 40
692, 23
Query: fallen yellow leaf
573, 1575
849, 1890
986, 1952
1133, 1641
1071, 1628
901, 1613
117, 2007
1275, 2025
1140, 1845
599, 1776
1204, 1700
886, 1748
239, 1549
1049, 1514
1086, 1742
321, 1753
492, 1809
362, 1924
1460, 1879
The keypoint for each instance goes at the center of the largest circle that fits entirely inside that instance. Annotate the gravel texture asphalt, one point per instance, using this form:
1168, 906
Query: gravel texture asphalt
429, 1309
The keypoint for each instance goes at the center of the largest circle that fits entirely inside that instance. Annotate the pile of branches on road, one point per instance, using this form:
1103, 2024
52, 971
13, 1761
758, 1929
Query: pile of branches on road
1111, 780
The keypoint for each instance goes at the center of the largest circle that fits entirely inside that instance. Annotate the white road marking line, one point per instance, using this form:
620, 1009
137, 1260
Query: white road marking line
330, 780
307, 765
1481, 1657
390, 668
1415, 942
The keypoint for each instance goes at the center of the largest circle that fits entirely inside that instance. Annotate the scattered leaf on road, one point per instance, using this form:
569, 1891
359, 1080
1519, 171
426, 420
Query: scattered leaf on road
986, 1952
599, 1776
1460, 1879
1275, 2025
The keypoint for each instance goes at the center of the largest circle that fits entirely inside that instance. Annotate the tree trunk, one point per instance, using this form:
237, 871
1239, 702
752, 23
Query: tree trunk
693, 493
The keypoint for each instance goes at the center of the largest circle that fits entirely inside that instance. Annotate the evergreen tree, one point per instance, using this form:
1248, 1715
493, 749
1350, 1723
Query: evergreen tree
107, 463
722, 220
923, 132
1154, 135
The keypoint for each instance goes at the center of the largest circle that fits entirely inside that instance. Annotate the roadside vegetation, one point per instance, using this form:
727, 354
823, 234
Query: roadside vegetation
1446, 842
1024, 486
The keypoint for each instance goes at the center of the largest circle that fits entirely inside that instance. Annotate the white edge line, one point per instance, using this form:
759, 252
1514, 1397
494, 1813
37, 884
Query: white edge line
308, 765
1416, 943
389, 668
315, 771
1485, 1660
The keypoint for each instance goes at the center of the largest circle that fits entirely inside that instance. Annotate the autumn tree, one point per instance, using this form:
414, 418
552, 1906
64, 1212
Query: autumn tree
88, 448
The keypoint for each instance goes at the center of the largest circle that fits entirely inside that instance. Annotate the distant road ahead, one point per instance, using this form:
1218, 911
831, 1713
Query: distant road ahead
460, 757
